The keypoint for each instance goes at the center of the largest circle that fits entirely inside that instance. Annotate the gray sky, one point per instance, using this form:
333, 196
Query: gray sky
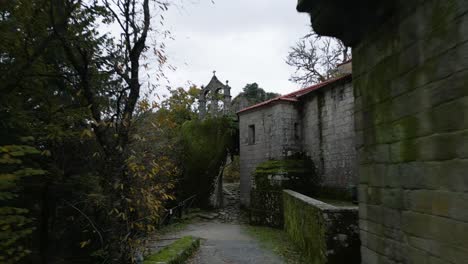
245, 41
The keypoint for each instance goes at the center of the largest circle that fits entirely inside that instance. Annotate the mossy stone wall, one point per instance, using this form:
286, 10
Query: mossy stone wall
270, 178
324, 233
410, 78
411, 90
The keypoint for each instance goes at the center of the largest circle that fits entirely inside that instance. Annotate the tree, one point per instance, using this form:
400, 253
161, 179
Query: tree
315, 59
75, 90
206, 144
256, 94
251, 94
15, 223
108, 71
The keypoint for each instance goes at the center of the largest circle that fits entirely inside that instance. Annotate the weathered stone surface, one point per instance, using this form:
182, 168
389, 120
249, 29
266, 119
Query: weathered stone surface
274, 138
325, 233
321, 125
410, 75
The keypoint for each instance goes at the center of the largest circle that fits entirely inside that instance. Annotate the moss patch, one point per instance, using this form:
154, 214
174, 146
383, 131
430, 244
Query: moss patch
305, 226
271, 177
179, 224
175, 253
277, 241
295, 173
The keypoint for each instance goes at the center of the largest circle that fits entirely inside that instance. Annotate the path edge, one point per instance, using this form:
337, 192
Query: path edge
176, 256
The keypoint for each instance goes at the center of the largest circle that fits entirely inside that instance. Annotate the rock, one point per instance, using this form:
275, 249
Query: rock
209, 216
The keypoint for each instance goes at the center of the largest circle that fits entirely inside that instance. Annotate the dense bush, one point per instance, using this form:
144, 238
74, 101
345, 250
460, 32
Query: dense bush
206, 146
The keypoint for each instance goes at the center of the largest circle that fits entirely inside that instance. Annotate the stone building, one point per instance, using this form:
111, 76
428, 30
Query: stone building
215, 98
410, 79
317, 121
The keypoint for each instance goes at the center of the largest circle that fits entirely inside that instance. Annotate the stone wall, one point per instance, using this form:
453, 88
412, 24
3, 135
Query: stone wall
328, 134
411, 87
324, 233
320, 124
274, 138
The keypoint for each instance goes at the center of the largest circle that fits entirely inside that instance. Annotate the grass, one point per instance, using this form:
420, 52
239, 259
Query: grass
277, 241
177, 252
179, 224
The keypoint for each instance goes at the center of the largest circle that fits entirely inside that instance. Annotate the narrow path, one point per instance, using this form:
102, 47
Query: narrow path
223, 237
228, 243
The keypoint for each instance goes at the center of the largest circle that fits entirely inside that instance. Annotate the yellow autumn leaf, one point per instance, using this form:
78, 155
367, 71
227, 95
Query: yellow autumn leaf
85, 243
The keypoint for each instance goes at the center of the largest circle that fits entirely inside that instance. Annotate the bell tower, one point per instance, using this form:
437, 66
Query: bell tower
215, 98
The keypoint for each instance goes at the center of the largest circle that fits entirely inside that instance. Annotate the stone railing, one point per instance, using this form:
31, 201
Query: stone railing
325, 233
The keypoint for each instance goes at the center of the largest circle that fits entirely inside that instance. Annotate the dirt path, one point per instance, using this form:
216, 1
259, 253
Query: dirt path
223, 237
228, 243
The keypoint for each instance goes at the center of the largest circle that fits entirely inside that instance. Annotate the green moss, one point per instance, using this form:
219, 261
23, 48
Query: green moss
297, 173
442, 14
175, 253
277, 241
306, 228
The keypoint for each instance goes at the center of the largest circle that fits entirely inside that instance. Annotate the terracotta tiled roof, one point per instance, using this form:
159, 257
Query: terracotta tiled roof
292, 97
345, 62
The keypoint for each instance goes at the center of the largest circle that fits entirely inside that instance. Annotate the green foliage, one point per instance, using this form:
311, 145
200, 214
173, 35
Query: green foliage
296, 173
180, 104
232, 170
15, 223
206, 145
277, 241
68, 85
255, 94
271, 177
176, 253
306, 228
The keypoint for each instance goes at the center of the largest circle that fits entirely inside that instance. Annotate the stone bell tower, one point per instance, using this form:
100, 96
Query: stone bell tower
215, 98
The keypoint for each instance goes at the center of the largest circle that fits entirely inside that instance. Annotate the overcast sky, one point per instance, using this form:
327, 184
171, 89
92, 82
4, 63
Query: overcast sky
245, 41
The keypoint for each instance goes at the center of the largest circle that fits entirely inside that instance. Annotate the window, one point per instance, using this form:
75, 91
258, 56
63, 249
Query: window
251, 134
341, 94
296, 131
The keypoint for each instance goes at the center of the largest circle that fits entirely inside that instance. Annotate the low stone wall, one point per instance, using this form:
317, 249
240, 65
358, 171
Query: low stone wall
325, 233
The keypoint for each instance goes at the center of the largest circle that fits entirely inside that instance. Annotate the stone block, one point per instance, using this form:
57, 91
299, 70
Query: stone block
369, 256
325, 233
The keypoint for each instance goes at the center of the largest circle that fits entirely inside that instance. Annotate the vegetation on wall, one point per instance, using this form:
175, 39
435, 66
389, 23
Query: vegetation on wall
306, 228
270, 178
295, 173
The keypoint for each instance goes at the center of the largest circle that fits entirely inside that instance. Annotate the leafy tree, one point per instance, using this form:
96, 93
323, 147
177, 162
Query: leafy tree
76, 91
256, 94
207, 144
15, 223
315, 59
107, 73
251, 94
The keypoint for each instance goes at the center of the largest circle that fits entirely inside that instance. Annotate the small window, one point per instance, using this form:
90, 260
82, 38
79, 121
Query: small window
341, 94
296, 131
251, 134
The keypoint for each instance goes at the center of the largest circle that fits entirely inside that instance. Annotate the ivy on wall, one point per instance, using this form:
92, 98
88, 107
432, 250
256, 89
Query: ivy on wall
270, 178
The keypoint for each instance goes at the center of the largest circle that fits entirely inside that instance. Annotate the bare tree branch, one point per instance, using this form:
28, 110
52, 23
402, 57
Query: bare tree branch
315, 59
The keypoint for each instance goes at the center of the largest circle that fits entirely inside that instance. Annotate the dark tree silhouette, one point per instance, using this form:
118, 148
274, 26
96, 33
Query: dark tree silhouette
315, 58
